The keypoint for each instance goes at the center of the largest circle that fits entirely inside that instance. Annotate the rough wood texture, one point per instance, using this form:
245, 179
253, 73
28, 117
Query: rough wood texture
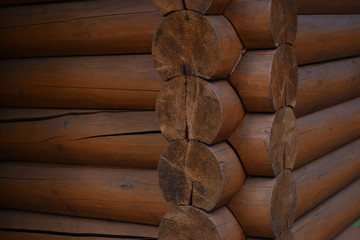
352, 232
328, 7
165, 7
184, 223
265, 207
332, 216
267, 79
266, 143
107, 193
321, 179
326, 84
118, 82
101, 138
191, 108
193, 173
189, 43
30, 221
326, 37
78, 28
325, 131
259, 23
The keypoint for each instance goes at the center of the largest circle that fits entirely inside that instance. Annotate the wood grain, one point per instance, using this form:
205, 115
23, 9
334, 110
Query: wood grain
165, 7
328, 7
352, 232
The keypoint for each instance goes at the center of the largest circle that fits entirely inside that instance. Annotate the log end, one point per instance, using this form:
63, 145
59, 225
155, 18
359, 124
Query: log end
192, 173
283, 21
207, 6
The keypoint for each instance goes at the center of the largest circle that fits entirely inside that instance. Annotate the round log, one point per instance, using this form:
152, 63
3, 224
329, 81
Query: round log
191, 108
165, 7
328, 7
266, 143
189, 43
193, 173
267, 79
263, 24
184, 223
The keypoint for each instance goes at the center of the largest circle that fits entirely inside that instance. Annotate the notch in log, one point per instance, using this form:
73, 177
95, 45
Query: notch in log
188, 43
193, 173
164, 7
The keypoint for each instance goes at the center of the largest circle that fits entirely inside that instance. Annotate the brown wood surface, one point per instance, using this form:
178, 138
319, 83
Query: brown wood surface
193, 173
326, 37
326, 84
325, 131
259, 23
266, 143
191, 108
328, 7
265, 207
322, 178
331, 217
352, 232
267, 79
165, 7
13, 220
118, 82
126, 139
189, 43
19, 2
78, 28
107, 193
184, 223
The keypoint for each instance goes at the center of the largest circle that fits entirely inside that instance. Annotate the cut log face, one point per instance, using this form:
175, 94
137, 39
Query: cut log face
266, 143
184, 223
265, 23
165, 7
188, 43
189, 107
193, 173
267, 80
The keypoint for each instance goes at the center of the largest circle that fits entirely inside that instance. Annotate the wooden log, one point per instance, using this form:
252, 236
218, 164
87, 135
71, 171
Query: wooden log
328, 7
164, 7
78, 28
183, 223
265, 207
191, 108
20, 2
267, 79
326, 37
98, 138
40, 222
193, 173
84, 191
324, 177
352, 232
259, 23
326, 84
266, 143
189, 43
332, 216
117, 82
325, 131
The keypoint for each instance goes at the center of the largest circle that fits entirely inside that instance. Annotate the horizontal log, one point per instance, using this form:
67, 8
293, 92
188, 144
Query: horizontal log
78, 28
193, 173
117, 82
124, 139
191, 108
189, 43
164, 7
326, 84
326, 37
13, 220
265, 207
325, 131
267, 79
331, 217
259, 23
183, 223
328, 7
324, 177
107, 193
20, 2
352, 232
266, 143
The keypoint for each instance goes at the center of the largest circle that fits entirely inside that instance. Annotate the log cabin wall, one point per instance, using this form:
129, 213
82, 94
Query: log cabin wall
255, 134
